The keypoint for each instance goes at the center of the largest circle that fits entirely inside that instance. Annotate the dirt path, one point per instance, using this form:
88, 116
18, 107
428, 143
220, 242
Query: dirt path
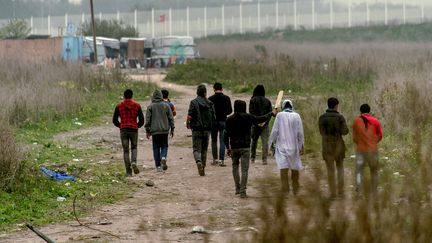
179, 200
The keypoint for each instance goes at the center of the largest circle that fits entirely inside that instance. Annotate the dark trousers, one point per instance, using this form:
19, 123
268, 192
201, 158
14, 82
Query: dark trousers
330, 164
371, 159
218, 128
200, 141
160, 147
257, 132
129, 136
240, 157
285, 180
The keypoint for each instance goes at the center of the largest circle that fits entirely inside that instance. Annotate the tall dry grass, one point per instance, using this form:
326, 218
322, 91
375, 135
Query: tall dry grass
10, 156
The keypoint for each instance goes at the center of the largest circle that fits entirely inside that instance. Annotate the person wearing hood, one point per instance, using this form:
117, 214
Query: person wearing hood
287, 132
237, 140
159, 123
259, 105
201, 115
332, 127
129, 112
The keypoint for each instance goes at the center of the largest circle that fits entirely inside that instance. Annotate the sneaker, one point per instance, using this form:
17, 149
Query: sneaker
243, 195
215, 162
237, 192
200, 169
135, 169
252, 160
159, 169
128, 174
264, 162
221, 163
164, 164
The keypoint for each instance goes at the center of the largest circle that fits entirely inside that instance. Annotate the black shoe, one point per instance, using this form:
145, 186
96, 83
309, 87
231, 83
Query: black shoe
164, 164
200, 169
243, 195
135, 169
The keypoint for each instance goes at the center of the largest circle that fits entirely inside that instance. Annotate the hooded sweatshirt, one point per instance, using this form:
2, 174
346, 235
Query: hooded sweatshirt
238, 126
159, 117
128, 111
259, 105
201, 113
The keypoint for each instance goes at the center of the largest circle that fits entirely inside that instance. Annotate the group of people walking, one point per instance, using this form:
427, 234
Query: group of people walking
237, 136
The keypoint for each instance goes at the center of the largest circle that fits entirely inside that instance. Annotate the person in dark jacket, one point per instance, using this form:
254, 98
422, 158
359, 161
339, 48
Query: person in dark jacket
332, 126
129, 111
237, 141
159, 123
165, 94
259, 105
222, 105
201, 116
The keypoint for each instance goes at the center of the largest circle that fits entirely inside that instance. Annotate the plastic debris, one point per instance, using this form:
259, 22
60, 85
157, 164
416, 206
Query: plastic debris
61, 199
56, 175
198, 229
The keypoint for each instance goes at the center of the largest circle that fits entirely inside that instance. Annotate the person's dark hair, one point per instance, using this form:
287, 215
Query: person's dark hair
165, 93
128, 94
332, 102
217, 86
365, 108
201, 90
239, 106
259, 90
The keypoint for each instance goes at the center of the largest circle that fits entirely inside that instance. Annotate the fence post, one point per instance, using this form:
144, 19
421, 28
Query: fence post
31, 25
367, 13
241, 17
422, 12
82, 18
100, 16
295, 14
135, 19
313, 14
49, 24
404, 12
118, 16
386, 12
277, 14
331, 14
170, 21
187, 21
349, 14
205, 21
152, 22
223, 19
65, 20
259, 16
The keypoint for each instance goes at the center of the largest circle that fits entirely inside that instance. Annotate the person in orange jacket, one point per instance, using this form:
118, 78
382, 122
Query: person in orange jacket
367, 133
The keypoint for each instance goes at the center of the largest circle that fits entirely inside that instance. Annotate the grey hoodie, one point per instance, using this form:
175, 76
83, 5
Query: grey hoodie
159, 117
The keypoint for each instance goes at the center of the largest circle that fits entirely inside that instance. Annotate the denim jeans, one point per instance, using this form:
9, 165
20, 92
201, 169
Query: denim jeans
262, 132
218, 127
370, 158
200, 141
240, 157
129, 136
160, 147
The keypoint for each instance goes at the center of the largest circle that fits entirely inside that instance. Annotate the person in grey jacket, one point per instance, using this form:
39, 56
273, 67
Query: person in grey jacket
159, 123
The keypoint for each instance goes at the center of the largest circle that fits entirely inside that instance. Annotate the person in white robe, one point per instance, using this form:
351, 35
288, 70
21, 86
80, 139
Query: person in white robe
287, 133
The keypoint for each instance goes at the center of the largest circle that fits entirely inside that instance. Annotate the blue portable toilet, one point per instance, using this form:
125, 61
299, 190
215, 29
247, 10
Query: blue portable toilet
72, 48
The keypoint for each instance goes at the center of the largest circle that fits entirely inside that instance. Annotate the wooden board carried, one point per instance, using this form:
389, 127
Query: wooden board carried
277, 104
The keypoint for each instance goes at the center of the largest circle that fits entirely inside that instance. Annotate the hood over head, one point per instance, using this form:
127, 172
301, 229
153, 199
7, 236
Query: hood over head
239, 106
287, 105
157, 96
259, 90
201, 90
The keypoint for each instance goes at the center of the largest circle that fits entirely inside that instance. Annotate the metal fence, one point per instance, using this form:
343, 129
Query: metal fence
247, 17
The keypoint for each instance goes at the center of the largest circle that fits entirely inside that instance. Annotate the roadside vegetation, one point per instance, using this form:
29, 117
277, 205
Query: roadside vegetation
394, 79
40, 100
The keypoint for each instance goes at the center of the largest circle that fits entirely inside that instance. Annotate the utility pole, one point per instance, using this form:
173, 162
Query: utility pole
94, 32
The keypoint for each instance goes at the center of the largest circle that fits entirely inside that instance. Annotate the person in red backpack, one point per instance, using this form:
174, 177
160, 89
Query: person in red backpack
367, 133
131, 118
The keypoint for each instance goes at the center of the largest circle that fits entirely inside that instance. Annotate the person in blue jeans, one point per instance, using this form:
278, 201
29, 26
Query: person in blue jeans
222, 106
159, 124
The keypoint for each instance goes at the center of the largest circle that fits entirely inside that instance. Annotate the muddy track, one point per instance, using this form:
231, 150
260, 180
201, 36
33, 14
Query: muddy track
180, 198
